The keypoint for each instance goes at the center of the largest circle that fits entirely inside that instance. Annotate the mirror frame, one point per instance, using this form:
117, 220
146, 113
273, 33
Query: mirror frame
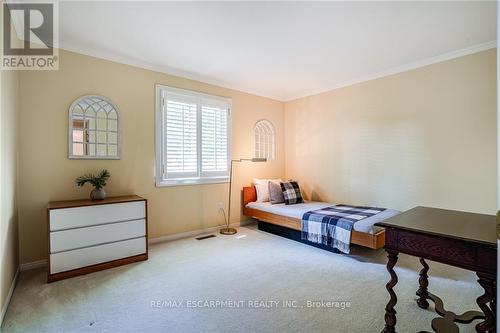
70, 131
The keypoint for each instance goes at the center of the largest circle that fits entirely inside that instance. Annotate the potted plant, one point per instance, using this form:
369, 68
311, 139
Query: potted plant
98, 182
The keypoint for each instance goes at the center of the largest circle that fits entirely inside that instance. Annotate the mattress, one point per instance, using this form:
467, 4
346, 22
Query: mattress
297, 211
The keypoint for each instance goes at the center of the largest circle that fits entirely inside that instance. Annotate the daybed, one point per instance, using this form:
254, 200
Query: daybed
286, 219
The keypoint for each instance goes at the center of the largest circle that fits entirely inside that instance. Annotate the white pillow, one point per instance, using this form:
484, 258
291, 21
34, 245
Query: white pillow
262, 188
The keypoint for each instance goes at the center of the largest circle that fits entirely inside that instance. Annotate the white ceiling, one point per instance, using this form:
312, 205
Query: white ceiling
282, 50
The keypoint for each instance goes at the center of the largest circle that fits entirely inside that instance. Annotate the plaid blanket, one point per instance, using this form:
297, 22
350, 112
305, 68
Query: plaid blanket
332, 226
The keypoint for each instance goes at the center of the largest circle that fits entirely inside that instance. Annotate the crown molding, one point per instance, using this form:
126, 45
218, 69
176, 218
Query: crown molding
404, 68
114, 57
126, 60
123, 59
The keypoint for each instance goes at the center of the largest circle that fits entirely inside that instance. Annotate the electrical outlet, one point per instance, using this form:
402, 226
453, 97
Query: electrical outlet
220, 205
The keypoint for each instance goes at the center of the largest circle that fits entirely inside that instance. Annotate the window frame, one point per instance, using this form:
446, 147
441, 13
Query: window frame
160, 180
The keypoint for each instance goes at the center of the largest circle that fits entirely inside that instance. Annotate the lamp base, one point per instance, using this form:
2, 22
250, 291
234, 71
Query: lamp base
228, 231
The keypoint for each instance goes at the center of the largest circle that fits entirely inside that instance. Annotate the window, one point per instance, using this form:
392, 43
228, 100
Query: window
192, 137
264, 139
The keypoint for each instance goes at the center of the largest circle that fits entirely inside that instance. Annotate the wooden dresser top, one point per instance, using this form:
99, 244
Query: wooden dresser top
88, 202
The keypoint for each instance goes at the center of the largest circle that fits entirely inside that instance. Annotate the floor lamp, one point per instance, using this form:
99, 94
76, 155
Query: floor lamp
227, 230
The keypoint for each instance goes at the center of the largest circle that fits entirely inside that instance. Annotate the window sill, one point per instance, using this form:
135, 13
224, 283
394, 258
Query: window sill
191, 181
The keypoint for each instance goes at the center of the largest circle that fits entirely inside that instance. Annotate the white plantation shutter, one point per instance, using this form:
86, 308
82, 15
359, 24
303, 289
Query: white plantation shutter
180, 121
214, 137
192, 137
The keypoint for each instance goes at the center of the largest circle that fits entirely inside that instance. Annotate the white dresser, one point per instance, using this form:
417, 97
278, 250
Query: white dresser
86, 236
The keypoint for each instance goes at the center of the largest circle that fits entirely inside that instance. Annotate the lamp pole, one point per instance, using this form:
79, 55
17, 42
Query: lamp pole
228, 230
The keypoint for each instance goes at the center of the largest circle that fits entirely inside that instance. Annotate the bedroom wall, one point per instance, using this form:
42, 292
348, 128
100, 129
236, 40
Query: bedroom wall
47, 174
9, 254
421, 137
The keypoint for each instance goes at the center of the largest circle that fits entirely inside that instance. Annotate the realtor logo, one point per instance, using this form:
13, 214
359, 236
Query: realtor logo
30, 36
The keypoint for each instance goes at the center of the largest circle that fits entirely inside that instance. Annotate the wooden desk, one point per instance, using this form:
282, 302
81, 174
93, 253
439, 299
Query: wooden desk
459, 239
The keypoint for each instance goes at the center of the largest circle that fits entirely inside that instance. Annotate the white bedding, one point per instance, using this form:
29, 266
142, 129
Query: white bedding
296, 211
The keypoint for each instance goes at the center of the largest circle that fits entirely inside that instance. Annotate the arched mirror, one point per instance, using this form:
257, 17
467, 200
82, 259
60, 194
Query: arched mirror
93, 129
264, 140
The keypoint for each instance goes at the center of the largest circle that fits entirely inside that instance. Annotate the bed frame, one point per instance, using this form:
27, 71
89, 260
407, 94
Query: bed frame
372, 241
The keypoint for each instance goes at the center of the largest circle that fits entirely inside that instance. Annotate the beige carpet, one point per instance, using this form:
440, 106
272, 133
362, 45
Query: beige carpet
254, 270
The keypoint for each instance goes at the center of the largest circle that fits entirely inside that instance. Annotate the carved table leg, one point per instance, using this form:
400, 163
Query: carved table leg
390, 313
489, 285
423, 281
493, 304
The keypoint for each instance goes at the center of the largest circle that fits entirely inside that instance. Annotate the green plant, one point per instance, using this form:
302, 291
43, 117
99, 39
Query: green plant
98, 181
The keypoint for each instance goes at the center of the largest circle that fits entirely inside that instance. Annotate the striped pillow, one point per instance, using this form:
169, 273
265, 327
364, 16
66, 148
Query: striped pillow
291, 193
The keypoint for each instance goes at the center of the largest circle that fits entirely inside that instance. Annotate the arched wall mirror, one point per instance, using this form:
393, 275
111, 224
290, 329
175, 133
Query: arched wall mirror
264, 140
93, 129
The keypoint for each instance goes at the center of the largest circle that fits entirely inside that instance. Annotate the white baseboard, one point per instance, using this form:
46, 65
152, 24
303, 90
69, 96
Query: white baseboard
161, 239
43, 262
32, 265
194, 233
9, 297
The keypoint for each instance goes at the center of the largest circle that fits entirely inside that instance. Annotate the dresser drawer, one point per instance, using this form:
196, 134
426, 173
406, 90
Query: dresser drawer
65, 261
68, 218
82, 237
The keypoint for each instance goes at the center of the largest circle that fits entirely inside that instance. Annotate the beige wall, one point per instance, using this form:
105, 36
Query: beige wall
9, 254
422, 137
9, 245
47, 174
